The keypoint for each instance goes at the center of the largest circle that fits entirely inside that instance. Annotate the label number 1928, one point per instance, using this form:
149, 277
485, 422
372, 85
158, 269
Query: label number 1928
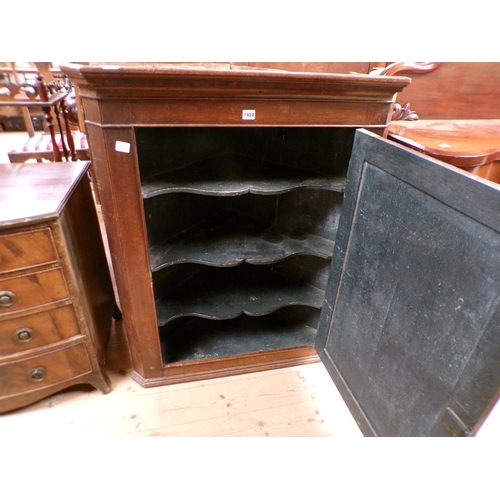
248, 114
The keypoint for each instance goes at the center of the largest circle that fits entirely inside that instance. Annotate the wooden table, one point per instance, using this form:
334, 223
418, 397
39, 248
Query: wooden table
473, 145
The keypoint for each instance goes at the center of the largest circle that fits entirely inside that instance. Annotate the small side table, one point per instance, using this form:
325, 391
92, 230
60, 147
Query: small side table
473, 145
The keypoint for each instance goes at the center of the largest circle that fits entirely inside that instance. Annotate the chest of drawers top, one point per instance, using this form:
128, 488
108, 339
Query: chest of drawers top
36, 192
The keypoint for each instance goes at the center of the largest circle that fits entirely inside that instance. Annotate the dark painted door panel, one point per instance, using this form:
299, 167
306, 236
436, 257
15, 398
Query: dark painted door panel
410, 329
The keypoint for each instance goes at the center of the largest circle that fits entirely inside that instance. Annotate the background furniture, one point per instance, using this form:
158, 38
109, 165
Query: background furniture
452, 90
221, 191
56, 296
454, 112
12, 79
473, 145
62, 139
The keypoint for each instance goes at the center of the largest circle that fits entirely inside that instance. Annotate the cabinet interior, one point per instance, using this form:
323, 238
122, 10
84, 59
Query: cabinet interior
241, 224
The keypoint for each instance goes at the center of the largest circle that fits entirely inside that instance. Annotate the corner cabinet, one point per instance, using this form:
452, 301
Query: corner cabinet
253, 224
221, 192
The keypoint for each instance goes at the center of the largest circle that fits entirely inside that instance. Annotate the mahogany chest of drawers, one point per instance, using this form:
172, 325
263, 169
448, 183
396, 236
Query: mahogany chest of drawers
56, 295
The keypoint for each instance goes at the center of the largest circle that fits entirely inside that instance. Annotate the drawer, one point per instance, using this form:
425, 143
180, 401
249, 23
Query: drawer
26, 249
38, 372
37, 330
32, 290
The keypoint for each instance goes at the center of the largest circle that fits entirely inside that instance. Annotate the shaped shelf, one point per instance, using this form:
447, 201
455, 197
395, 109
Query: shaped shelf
227, 240
230, 174
225, 293
197, 339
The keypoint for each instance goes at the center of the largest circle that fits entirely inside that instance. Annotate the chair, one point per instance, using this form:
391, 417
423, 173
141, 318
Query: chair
62, 141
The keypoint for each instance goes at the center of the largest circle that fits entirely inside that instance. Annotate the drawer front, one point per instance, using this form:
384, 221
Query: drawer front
25, 250
32, 290
43, 371
37, 330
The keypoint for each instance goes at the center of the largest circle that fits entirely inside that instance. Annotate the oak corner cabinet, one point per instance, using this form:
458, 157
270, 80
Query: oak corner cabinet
221, 192
56, 294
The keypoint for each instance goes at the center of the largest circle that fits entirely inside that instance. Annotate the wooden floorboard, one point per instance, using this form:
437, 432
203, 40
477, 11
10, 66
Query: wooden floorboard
299, 401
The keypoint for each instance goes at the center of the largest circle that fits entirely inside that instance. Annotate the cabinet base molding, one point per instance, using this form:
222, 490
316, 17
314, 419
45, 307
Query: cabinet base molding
248, 363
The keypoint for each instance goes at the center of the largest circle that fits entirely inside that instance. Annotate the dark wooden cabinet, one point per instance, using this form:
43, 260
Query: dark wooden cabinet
221, 192
238, 246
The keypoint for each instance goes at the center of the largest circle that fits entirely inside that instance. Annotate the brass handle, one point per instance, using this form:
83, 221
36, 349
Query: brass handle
38, 374
23, 335
7, 298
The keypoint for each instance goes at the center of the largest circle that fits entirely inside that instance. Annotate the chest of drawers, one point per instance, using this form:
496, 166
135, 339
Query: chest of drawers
56, 295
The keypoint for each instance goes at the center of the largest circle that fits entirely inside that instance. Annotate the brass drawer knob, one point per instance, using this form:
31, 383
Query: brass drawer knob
23, 335
38, 374
7, 298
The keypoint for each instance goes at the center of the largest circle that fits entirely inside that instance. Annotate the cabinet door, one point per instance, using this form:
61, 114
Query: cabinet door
410, 328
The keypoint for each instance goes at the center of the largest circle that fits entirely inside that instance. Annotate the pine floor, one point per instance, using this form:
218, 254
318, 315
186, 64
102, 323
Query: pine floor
290, 402
300, 401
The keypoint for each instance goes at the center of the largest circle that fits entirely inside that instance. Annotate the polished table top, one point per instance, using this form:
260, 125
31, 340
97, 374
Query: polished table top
462, 143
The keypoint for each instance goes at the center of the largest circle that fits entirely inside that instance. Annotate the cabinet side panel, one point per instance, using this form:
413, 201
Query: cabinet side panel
123, 213
89, 269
